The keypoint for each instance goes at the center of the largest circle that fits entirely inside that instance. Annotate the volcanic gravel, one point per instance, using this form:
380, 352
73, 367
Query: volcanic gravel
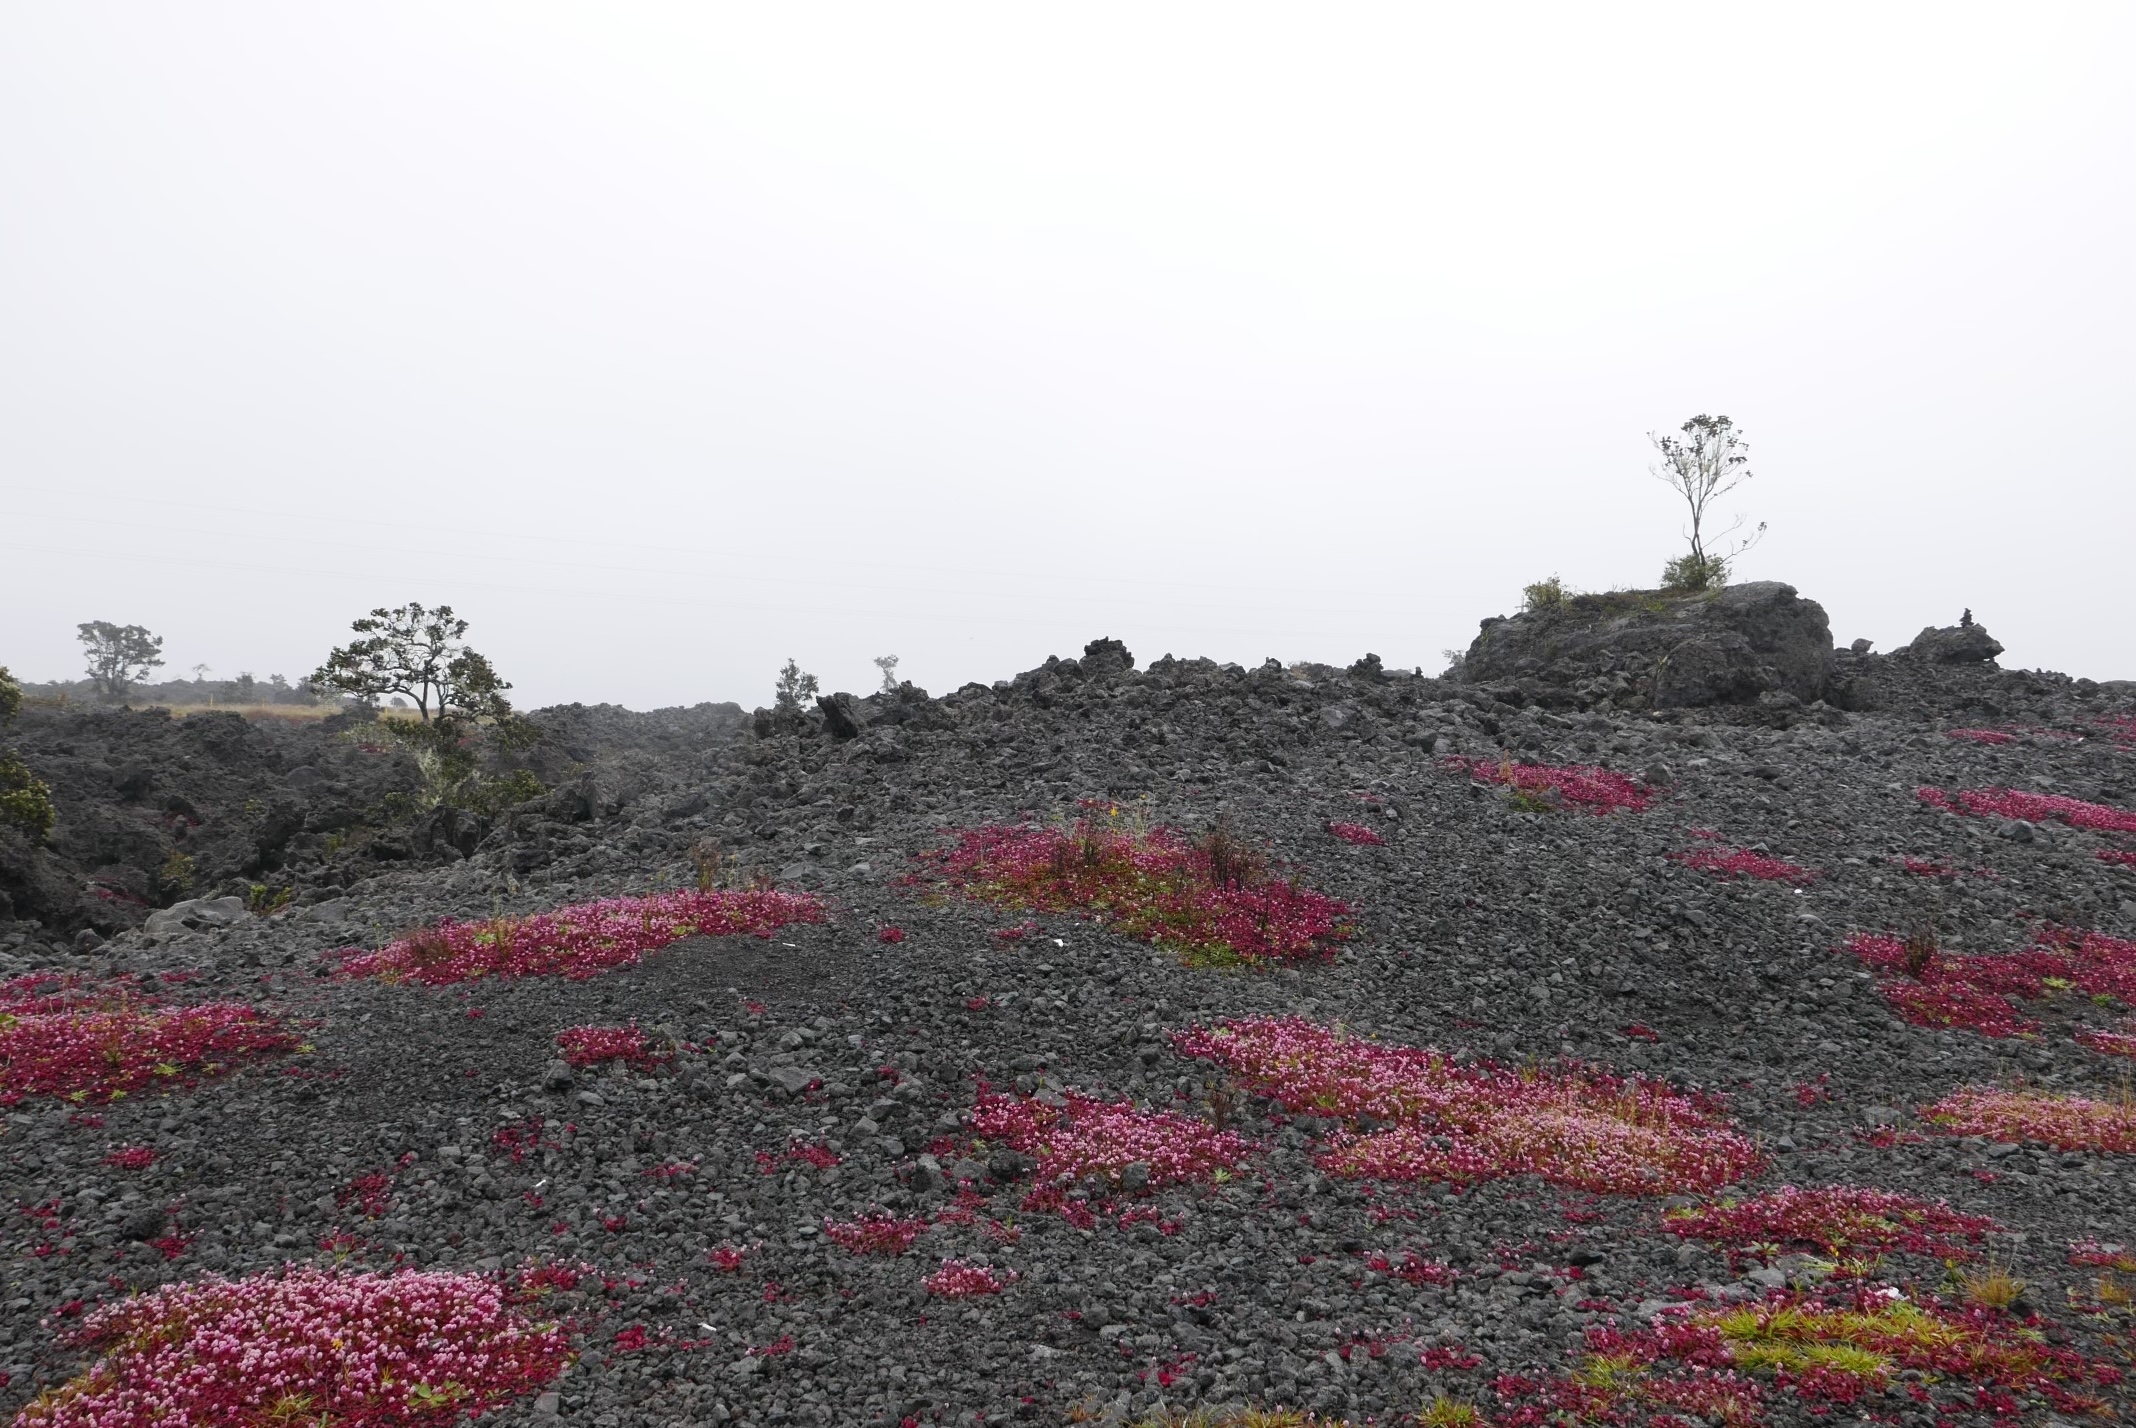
826, 1071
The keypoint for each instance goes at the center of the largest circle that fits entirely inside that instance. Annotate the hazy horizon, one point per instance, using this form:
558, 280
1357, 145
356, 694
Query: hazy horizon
668, 343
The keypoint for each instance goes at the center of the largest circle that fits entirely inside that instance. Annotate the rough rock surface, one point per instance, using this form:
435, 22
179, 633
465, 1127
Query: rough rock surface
1489, 927
1653, 649
1962, 643
304, 803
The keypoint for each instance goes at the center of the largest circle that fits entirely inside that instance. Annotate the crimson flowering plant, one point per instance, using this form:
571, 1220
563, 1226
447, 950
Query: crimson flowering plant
1577, 1126
307, 1345
960, 1279
590, 1045
2032, 808
577, 941
1412, 1268
1211, 901
2111, 1043
2017, 1116
66, 1037
1586, 786
1844, 1222
1742, 862
527, 1136
1932, 987
2090, 1253
821, 1157
875, 1234
1716, 1360
1082, 1138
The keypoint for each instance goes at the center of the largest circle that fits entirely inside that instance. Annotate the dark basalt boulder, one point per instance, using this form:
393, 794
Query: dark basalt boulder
842, 718
1962, 643
1658, 649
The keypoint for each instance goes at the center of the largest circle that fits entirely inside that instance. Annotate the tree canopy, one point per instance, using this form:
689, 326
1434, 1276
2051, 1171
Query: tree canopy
422, 654
118, 654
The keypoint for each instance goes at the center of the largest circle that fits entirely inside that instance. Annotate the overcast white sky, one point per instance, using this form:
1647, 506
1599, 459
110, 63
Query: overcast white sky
667, 342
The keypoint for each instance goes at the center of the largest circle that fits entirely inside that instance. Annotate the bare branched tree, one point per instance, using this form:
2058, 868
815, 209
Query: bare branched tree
1702, 465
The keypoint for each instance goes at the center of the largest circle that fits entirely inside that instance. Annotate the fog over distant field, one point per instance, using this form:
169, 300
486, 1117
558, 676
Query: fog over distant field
668, 342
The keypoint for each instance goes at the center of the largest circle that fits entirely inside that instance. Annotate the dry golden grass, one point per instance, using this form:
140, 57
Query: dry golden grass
288, 713
1991, 1287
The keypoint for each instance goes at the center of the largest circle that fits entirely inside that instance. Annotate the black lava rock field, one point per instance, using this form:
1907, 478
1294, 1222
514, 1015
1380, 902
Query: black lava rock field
1707, 934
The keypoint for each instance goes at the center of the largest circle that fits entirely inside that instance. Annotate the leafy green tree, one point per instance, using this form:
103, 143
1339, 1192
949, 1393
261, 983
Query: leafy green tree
1702, 464
459, 697
10, 698
794, 688
422, 654
118, 654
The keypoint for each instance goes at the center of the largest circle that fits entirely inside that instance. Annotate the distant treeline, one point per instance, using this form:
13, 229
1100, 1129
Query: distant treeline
244, 689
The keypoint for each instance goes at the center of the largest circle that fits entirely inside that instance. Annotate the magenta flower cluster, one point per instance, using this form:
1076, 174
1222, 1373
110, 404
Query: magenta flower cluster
1742, 862
1598, 790
1982, 736
75, 1040
875, 1234
1436, 1120
1081, 1139
960, 1279
307, 1346
1210, 902
2032, 808
1840, 1221
2017, 1116
578, 941
591, 1045
2111, 1043
1974, 991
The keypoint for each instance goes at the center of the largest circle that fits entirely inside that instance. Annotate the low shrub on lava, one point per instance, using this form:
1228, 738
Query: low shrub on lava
1743, 863
306, 1346
2032, 808
1842, 1222
1087, 1139
1723, 1362
578, 941
2015, 1117
2112, 1043
1213, 901
875, 1234
1932, 987
1356, 833
91, 1043
957, 1279
1982, 736
1434, 1120
1597, 790
583, 1046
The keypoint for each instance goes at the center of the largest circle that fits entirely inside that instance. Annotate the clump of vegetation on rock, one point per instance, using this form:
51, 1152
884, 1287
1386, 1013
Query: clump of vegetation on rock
25, 799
